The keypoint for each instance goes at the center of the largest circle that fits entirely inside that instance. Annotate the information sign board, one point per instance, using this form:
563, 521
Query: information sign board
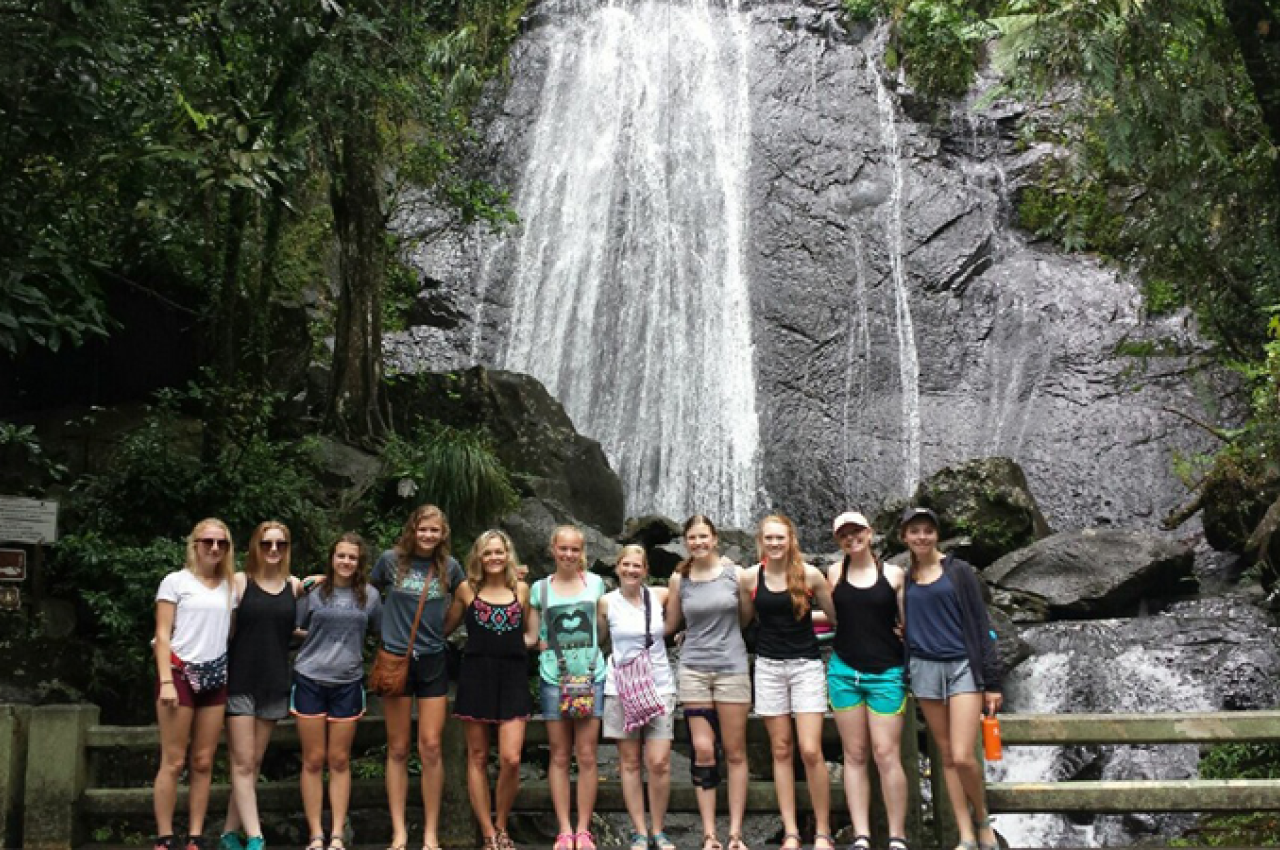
13, 565
28, 520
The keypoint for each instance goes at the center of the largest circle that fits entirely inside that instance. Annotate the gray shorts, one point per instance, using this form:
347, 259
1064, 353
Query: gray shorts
244, 705
662, 727
941, 679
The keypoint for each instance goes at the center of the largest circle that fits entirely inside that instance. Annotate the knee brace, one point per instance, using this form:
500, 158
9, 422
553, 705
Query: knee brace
706, 777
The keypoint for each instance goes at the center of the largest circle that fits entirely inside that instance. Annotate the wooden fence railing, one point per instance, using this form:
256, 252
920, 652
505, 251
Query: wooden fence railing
49, 760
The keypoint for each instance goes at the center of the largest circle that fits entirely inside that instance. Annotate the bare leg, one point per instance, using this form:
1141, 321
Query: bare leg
657, 757
733, 738
432, 712
397, 714
855, 741
886, 746
205, 731
247, 740
477, 735
510, 743
175, 736
341, 734
560, 741
938, 715
809, 736
632, 782
784, 778
313, 734
586, 740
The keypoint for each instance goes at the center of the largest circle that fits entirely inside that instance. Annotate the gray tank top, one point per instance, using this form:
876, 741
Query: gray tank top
713, 640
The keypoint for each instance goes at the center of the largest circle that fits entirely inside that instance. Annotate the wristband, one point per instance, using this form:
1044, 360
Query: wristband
166, 681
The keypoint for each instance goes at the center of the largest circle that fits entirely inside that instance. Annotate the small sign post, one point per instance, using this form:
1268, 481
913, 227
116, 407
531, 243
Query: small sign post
13, 565
28, 520
10, 598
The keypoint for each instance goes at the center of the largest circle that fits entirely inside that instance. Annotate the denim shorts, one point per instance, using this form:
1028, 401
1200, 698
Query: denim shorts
941, 679
882, 693
549, 696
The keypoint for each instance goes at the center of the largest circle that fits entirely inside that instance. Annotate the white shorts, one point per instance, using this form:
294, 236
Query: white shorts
792, 686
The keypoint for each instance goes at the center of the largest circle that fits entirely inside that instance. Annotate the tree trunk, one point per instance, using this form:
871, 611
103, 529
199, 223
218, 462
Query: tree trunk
1256, 28
357, 402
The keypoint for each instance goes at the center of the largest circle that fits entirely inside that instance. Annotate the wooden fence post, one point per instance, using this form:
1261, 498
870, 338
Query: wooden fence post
14, 723
57, 772
458, 827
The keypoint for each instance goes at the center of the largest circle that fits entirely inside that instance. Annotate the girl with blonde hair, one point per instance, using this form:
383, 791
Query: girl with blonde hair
493, 684
193, 621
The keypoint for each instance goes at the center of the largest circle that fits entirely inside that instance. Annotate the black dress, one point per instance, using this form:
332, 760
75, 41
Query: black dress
493, 685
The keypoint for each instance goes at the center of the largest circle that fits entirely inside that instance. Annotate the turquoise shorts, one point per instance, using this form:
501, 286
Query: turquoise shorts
882, 693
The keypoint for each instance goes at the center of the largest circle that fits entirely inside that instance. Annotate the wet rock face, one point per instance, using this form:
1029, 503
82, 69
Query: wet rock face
532, 436
985, 501
1097, 572
898, 326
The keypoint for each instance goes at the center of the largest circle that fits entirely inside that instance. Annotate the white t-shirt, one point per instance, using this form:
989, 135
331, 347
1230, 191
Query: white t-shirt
201, 619
626, 628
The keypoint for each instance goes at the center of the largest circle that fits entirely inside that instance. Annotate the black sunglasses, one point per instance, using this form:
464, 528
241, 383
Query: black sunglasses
273, 544
213, 542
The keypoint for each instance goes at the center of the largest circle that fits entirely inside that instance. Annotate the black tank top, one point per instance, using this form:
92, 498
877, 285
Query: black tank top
781, 635
866, 617
495, 630
258, 660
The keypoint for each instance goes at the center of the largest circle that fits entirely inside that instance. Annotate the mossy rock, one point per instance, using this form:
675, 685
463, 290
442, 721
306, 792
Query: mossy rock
985, 501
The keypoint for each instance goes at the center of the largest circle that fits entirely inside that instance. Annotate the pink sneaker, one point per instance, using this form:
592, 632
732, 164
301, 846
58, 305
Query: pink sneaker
584, 841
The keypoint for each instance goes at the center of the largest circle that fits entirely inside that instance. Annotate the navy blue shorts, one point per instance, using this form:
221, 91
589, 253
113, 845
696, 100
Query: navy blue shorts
332, 702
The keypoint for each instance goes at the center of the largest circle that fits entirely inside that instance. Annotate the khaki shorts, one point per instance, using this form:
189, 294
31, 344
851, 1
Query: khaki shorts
696, 686
662, 727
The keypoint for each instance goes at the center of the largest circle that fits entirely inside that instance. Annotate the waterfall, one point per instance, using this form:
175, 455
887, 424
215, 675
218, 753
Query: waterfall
908, 361
1071, 674
629, 297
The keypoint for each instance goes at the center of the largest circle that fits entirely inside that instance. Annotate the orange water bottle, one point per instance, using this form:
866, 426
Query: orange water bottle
991, 747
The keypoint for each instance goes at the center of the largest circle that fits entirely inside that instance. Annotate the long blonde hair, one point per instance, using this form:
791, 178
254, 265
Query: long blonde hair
253, 562
582, 540
475, 567
227, 566
796, 584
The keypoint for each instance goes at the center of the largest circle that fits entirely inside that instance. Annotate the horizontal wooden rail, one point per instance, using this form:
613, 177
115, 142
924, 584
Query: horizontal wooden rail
1124, 797
1192, 728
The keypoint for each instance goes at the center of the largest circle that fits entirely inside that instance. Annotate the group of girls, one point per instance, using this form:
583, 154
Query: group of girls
927, 621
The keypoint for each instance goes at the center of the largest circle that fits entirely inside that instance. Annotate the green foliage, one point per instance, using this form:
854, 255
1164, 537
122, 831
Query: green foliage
938, 42
23, 459
1237, 761
457, 470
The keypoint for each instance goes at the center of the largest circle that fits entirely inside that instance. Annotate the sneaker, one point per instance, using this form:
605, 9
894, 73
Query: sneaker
257, 842
162, 842
197, 842
230, 841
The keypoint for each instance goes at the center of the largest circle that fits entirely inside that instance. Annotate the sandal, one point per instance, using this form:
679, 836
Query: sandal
789, 837
985, 823
584, 840
490, 843
564, 841
898, 844
504, 841
736, 842
337, 843
710, 842
316, 842
863, 842
662, 842
822, 836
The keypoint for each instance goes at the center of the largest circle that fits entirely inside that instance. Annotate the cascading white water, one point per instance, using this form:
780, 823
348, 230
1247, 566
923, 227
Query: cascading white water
1133, 680
629, 297
908, 360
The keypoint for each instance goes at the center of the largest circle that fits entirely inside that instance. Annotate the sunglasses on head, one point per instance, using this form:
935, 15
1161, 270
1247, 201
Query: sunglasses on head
273, 544
213, 542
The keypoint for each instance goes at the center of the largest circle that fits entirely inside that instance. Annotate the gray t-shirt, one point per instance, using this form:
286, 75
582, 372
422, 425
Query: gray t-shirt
400, 602
333, 653
713, 637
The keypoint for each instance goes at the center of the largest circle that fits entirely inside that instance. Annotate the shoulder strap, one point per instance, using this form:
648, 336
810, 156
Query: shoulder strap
417, 617
648, 615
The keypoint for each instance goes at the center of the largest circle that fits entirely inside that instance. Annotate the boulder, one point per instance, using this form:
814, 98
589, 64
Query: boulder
530, 529
1097, 572
532, 435
1010, 647
983, 503
650, 530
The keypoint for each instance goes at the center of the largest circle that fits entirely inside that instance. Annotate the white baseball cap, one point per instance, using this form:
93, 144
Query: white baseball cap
849, 518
